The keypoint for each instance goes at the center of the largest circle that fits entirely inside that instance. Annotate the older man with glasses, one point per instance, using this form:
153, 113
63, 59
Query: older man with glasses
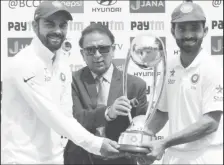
97, 95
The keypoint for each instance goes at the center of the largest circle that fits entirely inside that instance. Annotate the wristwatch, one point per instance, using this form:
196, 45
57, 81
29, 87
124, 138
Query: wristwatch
107, 116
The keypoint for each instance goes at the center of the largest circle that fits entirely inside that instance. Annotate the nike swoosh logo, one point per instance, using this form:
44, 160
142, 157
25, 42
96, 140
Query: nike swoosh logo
25, 80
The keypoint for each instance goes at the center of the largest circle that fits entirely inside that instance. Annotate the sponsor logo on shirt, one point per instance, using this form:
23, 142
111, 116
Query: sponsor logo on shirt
47, 75
219, 91
172, 72
26, 80
170, 80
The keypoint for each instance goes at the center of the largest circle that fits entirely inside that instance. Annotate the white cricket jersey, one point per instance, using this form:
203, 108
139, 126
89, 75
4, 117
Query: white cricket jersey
37, 109
191, 92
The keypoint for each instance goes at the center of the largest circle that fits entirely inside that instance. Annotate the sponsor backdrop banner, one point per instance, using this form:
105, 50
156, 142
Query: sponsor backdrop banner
125, 19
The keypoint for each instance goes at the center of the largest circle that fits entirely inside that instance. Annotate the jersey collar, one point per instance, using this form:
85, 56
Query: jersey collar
195, 63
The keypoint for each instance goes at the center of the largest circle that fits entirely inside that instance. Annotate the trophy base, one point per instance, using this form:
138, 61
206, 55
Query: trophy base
133, 149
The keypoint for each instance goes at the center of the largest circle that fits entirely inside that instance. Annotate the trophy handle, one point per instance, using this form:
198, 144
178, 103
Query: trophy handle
153, 105
125, 74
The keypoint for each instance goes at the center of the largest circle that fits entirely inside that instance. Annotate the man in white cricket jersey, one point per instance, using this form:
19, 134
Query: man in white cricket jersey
192, 99
37, 104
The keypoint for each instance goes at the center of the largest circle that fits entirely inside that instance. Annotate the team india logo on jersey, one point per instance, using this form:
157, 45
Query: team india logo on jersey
195, 78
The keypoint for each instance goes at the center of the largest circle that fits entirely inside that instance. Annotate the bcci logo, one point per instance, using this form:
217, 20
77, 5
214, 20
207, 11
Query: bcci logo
195, 78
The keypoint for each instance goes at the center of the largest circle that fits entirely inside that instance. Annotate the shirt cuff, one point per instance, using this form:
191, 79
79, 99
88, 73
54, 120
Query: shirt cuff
97, 144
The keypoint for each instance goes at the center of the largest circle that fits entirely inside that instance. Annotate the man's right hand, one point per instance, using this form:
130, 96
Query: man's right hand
121, 106
109, 149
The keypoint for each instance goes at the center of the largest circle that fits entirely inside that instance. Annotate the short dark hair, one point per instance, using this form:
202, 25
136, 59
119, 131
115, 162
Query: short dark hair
173, 24
96, 27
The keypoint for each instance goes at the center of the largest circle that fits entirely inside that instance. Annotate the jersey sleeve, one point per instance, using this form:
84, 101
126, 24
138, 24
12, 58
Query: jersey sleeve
212, 92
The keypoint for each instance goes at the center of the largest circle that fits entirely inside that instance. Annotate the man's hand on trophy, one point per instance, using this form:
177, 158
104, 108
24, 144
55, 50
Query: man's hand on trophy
109, 149
157, 149
121, 106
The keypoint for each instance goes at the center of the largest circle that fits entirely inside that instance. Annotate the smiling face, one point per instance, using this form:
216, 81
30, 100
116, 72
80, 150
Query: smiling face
189, 35
52, 30
97, 52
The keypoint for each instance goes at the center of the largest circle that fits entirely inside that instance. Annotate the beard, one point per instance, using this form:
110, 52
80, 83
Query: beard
52, 41
189, 45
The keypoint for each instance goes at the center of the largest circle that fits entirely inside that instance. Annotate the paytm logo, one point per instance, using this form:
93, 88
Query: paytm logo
75, 6
27, 26
147, 25
217, 45
17, 26
147, 6
17, 44
217, 24
112, 25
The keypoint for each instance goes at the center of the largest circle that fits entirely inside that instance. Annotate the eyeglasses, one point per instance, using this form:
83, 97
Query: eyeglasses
103, 49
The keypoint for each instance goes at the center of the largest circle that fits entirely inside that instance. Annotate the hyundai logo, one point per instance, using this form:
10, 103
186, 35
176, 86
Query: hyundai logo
106, 2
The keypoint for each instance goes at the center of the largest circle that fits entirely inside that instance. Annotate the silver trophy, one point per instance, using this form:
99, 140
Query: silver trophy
147, 52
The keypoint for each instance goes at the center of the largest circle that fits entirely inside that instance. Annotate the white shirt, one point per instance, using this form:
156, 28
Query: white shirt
37, 109
106, 86
191, 92
107, 80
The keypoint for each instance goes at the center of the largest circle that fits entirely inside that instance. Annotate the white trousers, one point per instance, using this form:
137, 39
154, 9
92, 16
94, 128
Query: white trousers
209, 155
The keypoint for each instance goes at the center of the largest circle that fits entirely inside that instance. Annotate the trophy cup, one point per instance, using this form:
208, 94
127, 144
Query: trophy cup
147, 52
